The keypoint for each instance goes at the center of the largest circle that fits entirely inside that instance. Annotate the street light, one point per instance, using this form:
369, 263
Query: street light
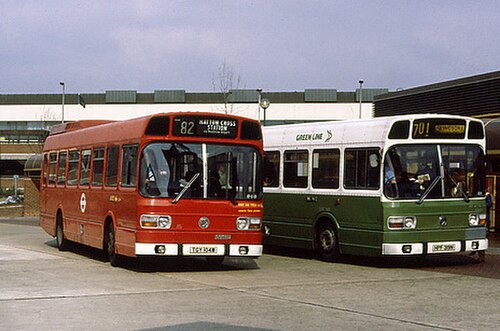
63, 92
264, 103
259, 94
360, 96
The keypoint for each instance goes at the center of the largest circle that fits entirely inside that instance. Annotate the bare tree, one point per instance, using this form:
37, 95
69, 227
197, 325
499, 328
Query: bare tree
47, 118
224, 82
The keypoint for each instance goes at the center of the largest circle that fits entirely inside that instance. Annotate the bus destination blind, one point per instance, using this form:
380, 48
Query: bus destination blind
202, 126
438, 128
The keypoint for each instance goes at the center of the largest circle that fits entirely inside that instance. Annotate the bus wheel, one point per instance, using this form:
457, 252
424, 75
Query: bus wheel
110, 245
327, 243
61, 241
481, 256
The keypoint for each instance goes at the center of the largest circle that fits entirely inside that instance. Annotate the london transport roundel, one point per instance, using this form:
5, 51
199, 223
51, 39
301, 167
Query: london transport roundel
83, 203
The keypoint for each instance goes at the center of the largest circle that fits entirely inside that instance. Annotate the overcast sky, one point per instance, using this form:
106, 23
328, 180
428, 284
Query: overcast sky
94, 46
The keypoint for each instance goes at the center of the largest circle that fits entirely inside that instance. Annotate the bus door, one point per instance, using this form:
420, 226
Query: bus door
126, 204
44, 218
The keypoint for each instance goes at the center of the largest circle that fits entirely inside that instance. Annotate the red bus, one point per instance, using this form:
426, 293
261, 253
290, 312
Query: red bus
171, 184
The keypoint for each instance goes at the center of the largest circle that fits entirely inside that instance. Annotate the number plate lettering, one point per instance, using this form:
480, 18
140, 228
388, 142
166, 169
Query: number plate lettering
443, 247
203, 250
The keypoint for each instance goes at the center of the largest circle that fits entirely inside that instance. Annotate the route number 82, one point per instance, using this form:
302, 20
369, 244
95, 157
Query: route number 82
187, 128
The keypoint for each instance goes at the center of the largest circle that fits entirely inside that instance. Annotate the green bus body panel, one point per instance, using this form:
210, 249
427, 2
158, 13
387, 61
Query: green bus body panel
428, 220
361, 222
291, 218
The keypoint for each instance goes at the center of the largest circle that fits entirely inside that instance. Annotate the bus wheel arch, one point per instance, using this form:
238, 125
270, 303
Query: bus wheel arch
61, 241
326, 240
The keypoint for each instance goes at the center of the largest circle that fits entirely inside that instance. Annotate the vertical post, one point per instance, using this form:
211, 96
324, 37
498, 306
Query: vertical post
259, 96
16, 181
63, 93
360, 96
264, 104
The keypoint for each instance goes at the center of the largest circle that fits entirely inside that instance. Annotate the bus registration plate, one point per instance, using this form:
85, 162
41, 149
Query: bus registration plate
445, 247
203, 250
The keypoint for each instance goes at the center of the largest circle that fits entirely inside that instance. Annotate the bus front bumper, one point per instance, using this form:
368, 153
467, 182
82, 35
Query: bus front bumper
434, 247
164, 249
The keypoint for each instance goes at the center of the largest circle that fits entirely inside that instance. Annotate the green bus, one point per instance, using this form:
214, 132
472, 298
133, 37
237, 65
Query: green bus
393, 186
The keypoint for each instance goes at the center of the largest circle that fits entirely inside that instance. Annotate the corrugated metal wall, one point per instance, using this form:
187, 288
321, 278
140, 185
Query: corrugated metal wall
474, 96
170, 96
368, 94
243, 96
320, 95
121, 96
181, 96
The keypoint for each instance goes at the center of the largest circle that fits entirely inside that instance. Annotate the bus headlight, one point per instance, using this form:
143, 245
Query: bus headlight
242, 223
410, 222
473, 220
248, 223
156, 222
401, 222
165, 222
476, 220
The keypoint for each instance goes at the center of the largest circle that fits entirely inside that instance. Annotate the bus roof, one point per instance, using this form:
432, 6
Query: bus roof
92, 132
345, 132
72, 126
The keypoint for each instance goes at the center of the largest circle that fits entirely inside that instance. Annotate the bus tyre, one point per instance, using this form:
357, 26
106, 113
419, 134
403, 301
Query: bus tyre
327, 243
481, 256
110, 246
61, 241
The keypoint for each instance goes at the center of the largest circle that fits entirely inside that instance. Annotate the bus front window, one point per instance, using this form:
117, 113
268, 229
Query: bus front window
229, 172
409, 170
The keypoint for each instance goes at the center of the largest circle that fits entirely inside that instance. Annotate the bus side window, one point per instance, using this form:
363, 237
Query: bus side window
52, 168
72, 178
296, 168
373, 169
362, 169
271, 169
45, 169
97, 166
326, 168
61, 165
129, 166
85, 167
112, 166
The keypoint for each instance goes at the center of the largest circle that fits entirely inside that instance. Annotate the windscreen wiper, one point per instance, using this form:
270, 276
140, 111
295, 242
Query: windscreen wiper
188, 185
464, 194
429, 189
233, 200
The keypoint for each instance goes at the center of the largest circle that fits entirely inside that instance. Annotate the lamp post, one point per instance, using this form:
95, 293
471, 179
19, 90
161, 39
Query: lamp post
259, 98
63, 92
360, 96
264, 103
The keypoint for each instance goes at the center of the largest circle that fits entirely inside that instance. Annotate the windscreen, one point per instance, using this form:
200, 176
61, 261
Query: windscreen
436, 171
202, 171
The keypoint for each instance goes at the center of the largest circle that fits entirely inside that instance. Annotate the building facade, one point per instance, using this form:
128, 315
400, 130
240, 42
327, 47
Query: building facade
25, 119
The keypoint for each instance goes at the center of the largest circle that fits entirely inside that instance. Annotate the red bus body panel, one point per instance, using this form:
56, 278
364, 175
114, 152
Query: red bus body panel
86, 208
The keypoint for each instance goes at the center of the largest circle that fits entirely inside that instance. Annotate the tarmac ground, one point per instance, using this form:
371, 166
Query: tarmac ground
44, 288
